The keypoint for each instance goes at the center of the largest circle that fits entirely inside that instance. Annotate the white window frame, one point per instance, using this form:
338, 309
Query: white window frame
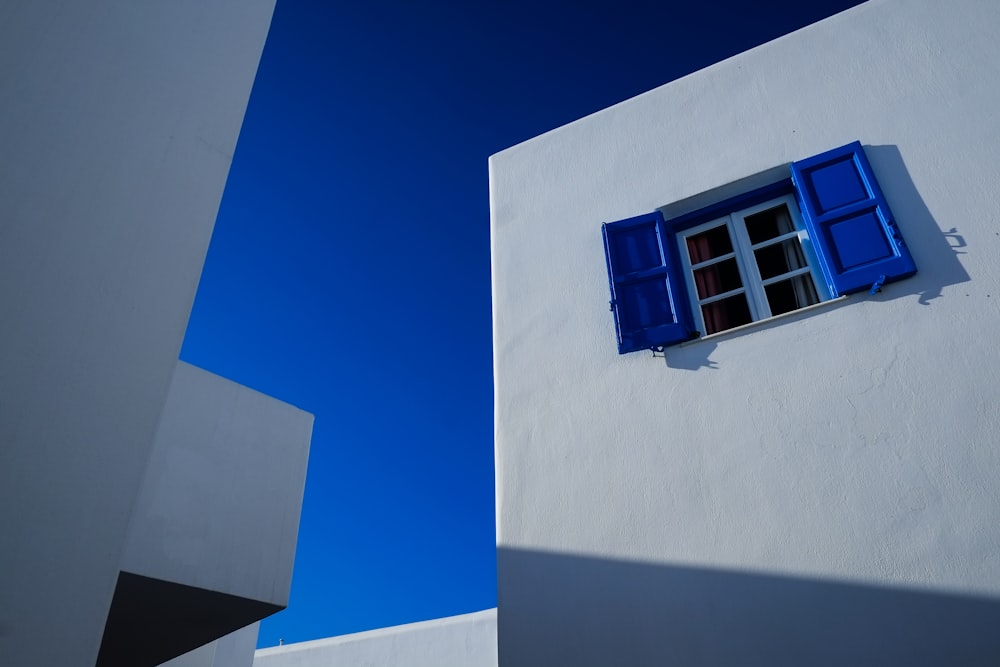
743, 252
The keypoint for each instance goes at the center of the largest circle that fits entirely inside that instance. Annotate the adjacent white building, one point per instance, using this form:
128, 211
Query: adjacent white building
147, 507
468, 640
814, 488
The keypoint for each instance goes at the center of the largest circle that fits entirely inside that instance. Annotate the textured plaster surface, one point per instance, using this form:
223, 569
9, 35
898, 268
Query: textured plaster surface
117, 129
469, 640
220, 501
857, 442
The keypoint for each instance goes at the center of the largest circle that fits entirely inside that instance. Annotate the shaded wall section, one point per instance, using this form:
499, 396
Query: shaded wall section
152, 621
233, 650
559, 609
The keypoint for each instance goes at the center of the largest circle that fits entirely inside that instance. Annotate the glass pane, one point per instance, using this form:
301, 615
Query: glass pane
768, 224
725, 313
709, 244
792, 294
717, 278
773, 260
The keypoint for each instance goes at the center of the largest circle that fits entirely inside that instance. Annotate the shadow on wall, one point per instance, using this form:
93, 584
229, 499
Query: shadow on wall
935, 252
559, 609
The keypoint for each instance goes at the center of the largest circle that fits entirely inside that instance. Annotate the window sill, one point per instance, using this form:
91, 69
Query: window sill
766, 322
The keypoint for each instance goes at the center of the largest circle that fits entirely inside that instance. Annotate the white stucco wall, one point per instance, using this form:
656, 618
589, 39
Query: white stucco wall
469, 640
220, 501
117, 129
848, 453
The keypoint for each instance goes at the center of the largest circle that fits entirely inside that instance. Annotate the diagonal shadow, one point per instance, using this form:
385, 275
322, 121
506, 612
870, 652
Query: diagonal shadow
935, 250
558, 609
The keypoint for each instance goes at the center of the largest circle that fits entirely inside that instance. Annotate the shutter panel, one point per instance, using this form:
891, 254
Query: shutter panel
647, 294
849, 221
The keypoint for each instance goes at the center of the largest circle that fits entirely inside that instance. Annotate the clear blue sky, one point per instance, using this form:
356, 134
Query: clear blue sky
349, 272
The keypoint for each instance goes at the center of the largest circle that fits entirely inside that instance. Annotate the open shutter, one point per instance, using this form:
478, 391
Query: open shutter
647, 294
849, 222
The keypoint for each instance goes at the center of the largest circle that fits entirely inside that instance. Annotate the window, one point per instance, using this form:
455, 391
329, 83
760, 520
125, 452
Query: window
747, 266
825, 231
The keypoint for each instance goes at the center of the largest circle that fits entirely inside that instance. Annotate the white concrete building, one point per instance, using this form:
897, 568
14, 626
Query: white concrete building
814, 488
469, 640
134, 489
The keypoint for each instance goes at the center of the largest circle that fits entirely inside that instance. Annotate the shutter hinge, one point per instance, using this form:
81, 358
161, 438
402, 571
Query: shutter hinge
877, 285
896, 236
611, 306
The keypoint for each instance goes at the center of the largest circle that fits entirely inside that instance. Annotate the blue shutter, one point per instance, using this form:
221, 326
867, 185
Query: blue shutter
647, 294
849, 222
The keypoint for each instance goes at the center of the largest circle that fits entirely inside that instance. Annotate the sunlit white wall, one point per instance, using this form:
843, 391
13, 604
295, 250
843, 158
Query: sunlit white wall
654, 509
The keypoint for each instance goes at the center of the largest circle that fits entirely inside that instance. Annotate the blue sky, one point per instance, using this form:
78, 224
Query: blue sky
349, 271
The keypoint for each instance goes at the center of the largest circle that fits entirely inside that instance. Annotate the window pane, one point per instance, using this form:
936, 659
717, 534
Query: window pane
773, 260
706, 245
717, 278
768, 224
725, 314
791, 294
